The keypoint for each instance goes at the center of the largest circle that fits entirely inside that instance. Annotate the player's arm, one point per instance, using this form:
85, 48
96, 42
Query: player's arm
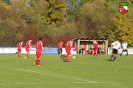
42, 48
120, 46
42, 45
29, 45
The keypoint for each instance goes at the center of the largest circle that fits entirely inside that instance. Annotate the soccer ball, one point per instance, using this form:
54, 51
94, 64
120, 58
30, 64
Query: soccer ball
73, 57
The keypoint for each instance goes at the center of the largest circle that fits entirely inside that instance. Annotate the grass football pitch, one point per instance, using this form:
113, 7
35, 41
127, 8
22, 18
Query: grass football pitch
82, 72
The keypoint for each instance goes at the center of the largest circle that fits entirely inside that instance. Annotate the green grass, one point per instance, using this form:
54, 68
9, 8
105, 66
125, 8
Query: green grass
81, 72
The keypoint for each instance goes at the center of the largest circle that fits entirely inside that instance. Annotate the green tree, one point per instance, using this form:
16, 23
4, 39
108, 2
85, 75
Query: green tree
123, 30
6, 1
108, 15
94, 18
73, 9
56, 11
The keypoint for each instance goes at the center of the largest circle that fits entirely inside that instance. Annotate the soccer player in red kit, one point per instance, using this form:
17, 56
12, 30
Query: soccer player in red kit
95, 50
39, 48
68, 48
19, 46
27, 48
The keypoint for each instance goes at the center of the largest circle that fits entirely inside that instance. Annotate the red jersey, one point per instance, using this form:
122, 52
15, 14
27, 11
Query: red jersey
39, 45
69, 45
95, 46
19, 45
28, 45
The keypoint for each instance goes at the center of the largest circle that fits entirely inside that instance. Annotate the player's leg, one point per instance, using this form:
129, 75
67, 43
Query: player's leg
61, 51
112, 55
18, 52
97, 54
127, 53
37, 61
115, 54
19, 55
27, 52
39, 58
63, 56
94, 53
67, 58
121, 53
68, 55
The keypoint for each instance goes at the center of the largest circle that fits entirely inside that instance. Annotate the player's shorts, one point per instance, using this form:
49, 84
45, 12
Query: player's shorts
124, 50
19, 50
27, 49
38, 54
95, 50
115, 51
68, 52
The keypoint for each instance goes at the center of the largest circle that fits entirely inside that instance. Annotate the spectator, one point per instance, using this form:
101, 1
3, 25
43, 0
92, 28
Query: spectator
60, 45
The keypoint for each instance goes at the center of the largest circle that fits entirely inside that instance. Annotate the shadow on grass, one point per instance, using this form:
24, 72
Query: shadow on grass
109, 60
91, 57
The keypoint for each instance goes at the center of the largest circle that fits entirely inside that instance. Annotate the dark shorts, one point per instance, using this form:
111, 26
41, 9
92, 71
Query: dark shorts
115, 51
124, 50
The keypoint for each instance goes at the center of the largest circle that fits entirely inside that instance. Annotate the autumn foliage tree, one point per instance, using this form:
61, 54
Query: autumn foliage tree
11, 26
123, 30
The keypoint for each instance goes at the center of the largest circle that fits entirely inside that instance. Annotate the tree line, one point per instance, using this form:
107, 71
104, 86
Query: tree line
56, 20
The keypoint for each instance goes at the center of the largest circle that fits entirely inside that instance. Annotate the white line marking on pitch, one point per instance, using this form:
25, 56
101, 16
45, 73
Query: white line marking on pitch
85, 81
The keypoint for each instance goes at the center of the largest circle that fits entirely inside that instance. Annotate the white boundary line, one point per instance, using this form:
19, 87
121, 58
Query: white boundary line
78, 79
